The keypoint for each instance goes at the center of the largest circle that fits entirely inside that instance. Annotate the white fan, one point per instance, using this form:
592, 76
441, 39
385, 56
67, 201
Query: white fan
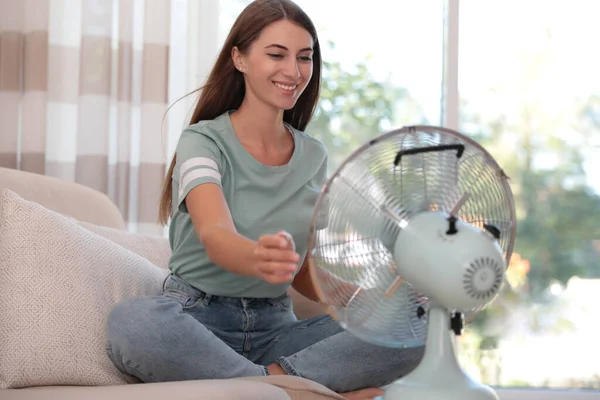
410, 237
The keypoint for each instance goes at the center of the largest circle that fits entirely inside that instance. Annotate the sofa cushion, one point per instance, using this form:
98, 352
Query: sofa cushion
154, 248
58, 281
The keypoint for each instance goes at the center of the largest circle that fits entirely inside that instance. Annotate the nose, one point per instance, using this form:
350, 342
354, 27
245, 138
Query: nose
291, 69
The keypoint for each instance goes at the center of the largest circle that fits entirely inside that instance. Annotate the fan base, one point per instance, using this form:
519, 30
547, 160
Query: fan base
438, 376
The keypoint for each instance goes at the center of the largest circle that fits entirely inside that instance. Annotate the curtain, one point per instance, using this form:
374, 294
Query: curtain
83, 93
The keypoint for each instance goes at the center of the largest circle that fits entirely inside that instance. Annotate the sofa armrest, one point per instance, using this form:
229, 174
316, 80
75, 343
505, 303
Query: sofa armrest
214, 389
66, 198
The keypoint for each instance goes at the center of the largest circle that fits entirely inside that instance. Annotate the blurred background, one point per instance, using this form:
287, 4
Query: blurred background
84, 85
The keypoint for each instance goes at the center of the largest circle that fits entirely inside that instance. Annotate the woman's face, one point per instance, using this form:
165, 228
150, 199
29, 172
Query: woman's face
278, 66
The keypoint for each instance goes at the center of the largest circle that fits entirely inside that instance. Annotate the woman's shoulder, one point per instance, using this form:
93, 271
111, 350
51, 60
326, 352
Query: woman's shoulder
206, 133
207, 127
203, 140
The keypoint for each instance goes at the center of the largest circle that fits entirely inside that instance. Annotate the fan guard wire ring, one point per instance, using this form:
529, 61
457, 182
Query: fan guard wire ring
404, 133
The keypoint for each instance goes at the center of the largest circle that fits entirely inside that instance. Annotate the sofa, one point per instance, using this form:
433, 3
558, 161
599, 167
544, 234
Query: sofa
65, 258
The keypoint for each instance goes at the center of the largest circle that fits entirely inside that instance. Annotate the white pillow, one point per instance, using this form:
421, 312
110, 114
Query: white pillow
58, 281
154, 248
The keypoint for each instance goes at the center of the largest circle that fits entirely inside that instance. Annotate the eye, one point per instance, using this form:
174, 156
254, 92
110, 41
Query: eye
275, 55
305, 58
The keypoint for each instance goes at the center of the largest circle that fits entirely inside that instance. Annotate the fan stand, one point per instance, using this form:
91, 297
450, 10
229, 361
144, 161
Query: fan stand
438, 376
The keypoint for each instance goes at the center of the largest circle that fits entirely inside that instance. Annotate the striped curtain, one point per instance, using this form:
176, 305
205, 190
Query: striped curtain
83, 92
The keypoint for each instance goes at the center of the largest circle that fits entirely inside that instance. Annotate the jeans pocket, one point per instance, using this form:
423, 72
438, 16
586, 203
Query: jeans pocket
283, 302
186, 300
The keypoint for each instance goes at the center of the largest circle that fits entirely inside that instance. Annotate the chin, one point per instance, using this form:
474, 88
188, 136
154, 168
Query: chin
283, 105
289, 106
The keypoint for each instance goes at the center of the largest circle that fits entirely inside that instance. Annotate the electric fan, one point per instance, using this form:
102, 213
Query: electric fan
410, 238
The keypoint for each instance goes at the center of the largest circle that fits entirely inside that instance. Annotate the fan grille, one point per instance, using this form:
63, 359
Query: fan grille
365, 204
483, 269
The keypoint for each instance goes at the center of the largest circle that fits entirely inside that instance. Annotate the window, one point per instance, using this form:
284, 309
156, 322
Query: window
228, 12
377, 75
529, 91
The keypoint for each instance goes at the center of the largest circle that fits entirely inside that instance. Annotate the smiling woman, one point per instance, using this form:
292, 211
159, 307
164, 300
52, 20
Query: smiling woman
240, 194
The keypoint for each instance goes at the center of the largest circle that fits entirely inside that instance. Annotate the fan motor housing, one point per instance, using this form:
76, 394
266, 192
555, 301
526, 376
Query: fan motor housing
453, 262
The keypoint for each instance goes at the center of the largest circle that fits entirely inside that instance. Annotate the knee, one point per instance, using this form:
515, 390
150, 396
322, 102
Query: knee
121, 313
127, 321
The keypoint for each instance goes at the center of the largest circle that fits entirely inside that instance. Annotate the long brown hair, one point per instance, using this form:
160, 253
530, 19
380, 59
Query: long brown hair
224, 89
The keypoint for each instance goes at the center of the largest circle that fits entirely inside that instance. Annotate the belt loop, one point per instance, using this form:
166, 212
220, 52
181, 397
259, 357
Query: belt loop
206, 299
164, 283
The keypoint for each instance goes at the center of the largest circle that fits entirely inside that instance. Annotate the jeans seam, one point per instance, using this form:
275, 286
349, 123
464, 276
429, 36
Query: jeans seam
111, 355
109, 352
137, 370
287, 366
309, 324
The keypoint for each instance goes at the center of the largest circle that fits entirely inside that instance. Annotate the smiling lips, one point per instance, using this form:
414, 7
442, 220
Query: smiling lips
286, 89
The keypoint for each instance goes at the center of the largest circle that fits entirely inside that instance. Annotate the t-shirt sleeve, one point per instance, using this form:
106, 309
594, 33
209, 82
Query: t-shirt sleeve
199, 161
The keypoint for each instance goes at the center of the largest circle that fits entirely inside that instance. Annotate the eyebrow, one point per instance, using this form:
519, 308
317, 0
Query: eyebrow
285, 48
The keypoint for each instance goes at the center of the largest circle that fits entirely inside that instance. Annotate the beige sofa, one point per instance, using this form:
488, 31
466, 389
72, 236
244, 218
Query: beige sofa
89, 206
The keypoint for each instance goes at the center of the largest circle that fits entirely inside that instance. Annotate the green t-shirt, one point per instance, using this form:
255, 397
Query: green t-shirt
262, 200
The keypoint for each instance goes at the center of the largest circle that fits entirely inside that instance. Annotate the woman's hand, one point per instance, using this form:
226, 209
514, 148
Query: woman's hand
275, 258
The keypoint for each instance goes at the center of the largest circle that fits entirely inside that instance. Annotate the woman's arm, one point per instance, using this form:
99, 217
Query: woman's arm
341, 290
303, 283
269, 258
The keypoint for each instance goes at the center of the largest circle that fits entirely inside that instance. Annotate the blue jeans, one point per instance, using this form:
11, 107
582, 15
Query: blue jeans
186, 334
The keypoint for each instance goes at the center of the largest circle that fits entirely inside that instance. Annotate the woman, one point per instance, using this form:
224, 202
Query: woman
240, 192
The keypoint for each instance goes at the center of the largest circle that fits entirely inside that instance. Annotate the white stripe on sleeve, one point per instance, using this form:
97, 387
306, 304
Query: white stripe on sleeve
195, 174
196, 162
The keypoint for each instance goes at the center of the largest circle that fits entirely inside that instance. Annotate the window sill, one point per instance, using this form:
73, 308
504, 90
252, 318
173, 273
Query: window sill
546, 394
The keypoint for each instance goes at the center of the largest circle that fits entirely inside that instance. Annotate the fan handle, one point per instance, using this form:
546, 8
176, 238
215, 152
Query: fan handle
438, 376
460, 148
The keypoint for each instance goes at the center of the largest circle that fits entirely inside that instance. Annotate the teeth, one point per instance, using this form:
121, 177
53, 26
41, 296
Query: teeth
279, 85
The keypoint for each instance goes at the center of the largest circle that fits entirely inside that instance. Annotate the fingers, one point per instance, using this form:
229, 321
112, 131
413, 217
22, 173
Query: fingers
281, 240
274, 267
289, 238
277, 266
277, 279
270, 254
278, 261
274, 272
276, 241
